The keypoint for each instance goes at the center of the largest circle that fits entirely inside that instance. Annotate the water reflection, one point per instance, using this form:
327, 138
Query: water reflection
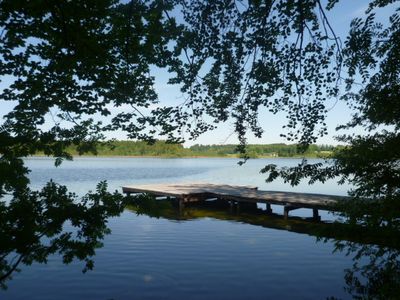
32, 230
374, 274
35, 225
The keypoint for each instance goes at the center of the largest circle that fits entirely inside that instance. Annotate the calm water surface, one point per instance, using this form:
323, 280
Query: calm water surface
150, 258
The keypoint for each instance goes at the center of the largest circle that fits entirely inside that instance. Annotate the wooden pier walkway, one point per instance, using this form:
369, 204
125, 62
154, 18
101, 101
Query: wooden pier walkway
186, 193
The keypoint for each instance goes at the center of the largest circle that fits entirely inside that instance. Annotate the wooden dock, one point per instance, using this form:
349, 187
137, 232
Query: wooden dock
235, 195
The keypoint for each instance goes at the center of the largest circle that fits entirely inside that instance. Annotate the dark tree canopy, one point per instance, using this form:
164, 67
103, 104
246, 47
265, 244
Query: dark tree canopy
73, 61
70, 60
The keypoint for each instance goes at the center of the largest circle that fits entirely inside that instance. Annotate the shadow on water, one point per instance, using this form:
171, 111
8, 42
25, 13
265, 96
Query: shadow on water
33, 229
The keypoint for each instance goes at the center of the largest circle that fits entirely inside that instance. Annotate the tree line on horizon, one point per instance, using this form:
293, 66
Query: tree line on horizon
164, 149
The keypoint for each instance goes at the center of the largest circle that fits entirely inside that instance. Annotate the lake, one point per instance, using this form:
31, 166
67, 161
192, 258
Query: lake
201, 258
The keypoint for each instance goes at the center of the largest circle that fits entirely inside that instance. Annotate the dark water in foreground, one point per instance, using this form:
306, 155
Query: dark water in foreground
202, 258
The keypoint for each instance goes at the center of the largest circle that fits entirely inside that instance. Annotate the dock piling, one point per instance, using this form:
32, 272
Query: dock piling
268, 208
316, 216
286, 212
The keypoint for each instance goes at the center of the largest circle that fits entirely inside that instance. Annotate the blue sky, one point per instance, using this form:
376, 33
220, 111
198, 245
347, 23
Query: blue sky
340, 18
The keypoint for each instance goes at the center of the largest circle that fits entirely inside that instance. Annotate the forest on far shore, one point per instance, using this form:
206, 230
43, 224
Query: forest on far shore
164, 149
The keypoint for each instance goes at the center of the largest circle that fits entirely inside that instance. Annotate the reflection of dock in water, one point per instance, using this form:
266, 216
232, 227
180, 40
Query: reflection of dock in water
167, 208
237, 196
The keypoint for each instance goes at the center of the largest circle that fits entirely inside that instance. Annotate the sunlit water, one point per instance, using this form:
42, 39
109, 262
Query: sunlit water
150, 258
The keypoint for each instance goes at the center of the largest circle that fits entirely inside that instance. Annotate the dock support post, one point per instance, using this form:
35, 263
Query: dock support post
286, 212
181, 204
269, 208
316, 215
231, 206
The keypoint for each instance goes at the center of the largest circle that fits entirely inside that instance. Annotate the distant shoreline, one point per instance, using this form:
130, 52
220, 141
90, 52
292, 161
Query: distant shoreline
174, 157
162, 149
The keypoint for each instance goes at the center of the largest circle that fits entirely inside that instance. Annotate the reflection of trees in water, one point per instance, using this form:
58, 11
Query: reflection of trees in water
375, 273
35, 225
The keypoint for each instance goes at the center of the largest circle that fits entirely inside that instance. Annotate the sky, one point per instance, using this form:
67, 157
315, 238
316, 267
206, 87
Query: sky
340, 18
